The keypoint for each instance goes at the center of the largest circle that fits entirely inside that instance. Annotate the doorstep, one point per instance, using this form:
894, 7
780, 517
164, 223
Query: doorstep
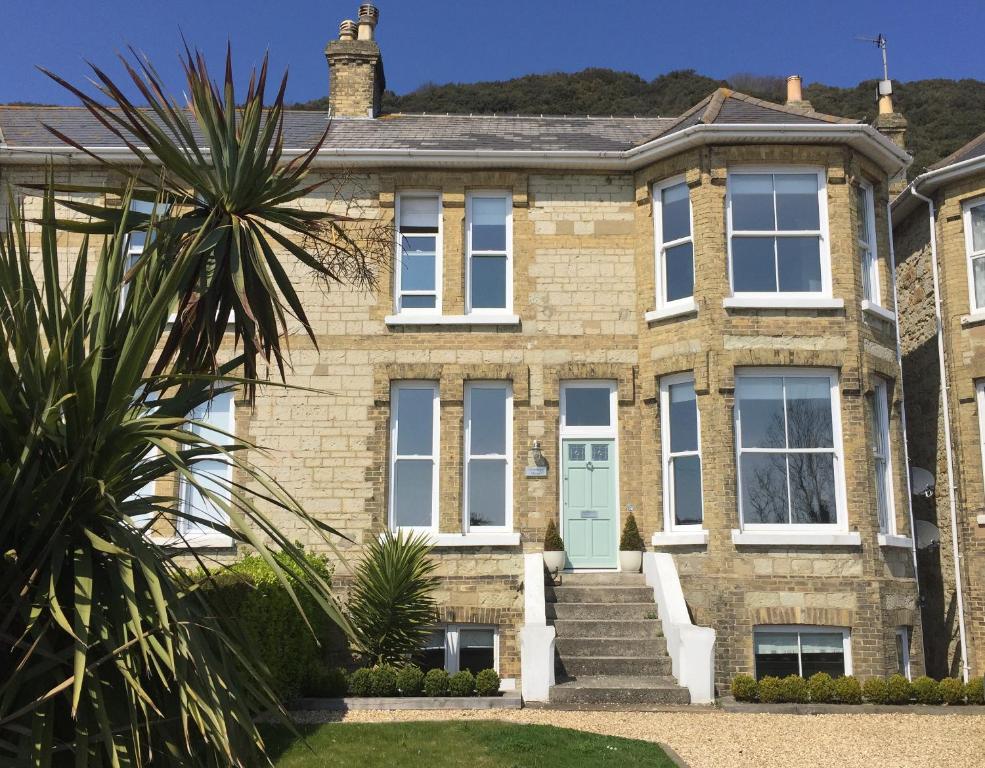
509, 700
729, 704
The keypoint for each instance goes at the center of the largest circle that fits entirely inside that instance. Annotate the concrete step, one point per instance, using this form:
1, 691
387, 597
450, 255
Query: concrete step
603, 611
610, 646
621, 690
615, 578
608, 628
600, 594
579, 666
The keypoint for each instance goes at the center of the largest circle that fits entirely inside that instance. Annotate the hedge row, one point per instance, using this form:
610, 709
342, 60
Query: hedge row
386, 680
823, 689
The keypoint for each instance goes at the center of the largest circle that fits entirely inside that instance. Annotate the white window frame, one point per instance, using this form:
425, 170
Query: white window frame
783, 298
470, 387
980, 402
841, 522
398, 293
202, 537
868, 247
903, 633
489, 311
972, 254
611, 431
668, 476
881, 421
668, 308
395, 388
808, 629
452, 644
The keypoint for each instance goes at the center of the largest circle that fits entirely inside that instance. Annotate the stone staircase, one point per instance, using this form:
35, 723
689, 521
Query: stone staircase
610, 652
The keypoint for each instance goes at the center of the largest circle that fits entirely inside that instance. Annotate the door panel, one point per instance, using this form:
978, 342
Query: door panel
589, 503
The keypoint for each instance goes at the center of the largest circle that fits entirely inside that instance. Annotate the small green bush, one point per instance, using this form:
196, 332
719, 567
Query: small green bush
461, 684
974, 691
876, 690
899, 690
793, 689
410, 680
552, 538
821, 688
951, 691
631, 540
327, 682
487, 683
436, 683
361, 682
926, 690
383, 680
770, 689
744, 688
848, 690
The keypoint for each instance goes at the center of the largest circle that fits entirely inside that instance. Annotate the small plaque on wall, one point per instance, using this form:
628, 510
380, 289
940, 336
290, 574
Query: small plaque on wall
535, 471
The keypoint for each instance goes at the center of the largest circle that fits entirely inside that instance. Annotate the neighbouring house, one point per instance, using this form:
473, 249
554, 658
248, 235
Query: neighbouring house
691, 318
939, 233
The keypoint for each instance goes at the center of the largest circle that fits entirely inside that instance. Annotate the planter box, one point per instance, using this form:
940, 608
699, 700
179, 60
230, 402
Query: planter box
509, 700
728, 704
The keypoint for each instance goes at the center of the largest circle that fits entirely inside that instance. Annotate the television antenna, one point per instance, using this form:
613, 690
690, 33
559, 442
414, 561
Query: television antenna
885, 85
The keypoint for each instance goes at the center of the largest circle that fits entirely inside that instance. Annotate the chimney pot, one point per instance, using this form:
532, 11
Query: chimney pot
369, 17
795, 91
347, 30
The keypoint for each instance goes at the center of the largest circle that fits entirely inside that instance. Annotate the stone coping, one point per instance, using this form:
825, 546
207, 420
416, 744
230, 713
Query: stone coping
509, 700
729, 704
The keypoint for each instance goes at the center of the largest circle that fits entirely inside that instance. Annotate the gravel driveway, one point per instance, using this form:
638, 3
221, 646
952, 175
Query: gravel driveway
730, 740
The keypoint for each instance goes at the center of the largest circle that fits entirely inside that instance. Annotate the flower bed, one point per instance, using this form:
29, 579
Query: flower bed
823, 689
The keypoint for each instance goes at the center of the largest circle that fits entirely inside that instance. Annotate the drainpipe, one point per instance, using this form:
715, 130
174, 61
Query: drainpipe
945, 399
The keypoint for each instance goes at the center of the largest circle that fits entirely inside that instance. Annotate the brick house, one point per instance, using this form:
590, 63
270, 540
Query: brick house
939, 233
690, 318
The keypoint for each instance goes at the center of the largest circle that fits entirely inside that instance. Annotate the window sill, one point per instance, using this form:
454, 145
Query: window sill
781, 302
665, 313
410, 319
876, 311
975, 318
679, 538
889, 540
980, 519
473, 539
201, 541
796, 538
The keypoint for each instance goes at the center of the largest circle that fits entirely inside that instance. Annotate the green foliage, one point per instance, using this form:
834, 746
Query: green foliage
744, 688
391, 604
487, 683
410, 680
899, 690
436, 683
951, 691
552, 539
821, 688
974, 691
926, 690
770, 690
461, 684
326, 682
631, 540
848, 690
361, 682
793, 689
383, 680
876, 690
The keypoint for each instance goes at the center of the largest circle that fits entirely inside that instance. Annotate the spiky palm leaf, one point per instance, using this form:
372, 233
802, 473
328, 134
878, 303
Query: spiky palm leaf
109, 654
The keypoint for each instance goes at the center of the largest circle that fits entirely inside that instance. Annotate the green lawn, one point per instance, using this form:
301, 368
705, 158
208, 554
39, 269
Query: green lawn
478, 744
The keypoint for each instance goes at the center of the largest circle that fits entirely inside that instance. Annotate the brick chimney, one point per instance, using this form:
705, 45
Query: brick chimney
795, 93
892, 125
355, 67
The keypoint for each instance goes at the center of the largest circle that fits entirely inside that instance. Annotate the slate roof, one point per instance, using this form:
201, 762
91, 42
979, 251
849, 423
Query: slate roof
23, 127
970, 151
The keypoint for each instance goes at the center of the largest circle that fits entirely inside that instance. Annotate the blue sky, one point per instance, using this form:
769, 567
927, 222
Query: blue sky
441, 40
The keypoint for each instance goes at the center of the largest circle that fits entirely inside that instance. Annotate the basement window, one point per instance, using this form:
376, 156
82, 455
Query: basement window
455, 647
801, 650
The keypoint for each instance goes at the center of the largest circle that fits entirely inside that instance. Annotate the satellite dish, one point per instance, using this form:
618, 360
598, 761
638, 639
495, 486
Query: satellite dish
922, 483
928, 535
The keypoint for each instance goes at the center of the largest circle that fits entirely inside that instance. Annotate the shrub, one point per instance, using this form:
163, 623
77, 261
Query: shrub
461, 684
436, 683
793, 688
383, 680
876, 690
951, 691
821, 688
926, 690
329, 682
769, 689
552, 539
974, 690
360, 682
899, 690
410, 680
392, 605
487, 683
848, 690
744, 688
631, 540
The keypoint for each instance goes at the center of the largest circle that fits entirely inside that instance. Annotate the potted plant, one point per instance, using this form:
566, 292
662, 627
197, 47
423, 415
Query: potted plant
630, 547
553, 548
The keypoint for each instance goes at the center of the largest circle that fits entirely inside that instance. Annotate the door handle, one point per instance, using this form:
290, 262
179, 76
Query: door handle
589, 466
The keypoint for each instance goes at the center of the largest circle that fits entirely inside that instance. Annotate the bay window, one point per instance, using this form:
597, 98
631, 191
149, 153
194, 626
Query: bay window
489, 278
974, 233
488, 456
417, 274
681, 442
881, 458
674, 248
801, 650
414, 455
865, 235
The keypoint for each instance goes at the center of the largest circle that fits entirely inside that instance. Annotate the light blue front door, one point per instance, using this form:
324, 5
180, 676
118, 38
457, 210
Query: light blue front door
589, 503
